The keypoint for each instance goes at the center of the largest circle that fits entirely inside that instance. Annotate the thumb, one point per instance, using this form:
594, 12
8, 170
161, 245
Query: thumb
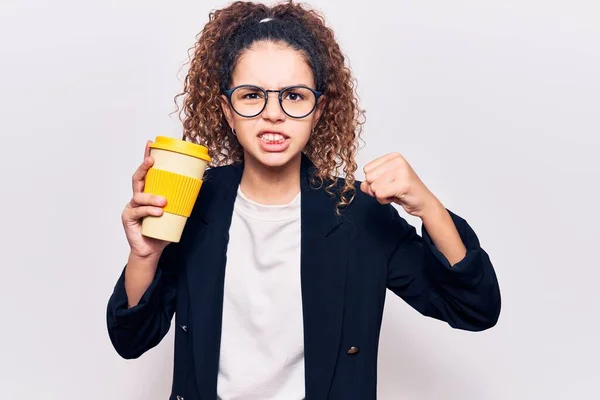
365, 187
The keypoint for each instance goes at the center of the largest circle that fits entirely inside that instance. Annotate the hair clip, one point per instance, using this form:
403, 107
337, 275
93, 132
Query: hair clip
265, 20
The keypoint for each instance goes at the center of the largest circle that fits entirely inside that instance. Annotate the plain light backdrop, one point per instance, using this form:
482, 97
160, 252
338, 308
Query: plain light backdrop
494, 103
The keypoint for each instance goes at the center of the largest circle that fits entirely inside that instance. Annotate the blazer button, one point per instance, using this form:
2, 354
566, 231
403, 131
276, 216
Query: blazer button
180, 398
185, 329
352, 350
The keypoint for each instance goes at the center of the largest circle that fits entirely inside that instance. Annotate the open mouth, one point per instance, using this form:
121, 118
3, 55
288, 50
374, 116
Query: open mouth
272, 138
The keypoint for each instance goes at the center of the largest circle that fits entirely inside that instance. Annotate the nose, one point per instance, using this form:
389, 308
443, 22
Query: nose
273, 110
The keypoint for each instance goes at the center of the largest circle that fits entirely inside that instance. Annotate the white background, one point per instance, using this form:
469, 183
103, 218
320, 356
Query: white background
495, 104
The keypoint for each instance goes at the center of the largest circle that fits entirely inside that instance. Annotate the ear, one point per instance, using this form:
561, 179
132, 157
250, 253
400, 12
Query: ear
227, 111
319, 110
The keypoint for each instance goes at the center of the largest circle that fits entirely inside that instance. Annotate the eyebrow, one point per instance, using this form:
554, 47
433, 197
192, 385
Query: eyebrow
278, 88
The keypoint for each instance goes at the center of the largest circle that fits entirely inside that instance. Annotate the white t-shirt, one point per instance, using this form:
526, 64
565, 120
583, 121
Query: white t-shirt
262, 341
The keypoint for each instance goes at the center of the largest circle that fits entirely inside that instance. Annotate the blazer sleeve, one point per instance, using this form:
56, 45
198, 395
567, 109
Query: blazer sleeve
135, 330
466, 295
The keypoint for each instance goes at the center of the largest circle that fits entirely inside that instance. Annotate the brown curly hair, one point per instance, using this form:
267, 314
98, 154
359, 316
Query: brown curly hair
332, 146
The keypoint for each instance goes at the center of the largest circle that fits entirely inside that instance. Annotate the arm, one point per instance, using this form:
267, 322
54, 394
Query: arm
139, 274
443, 233
137, 328
466, 295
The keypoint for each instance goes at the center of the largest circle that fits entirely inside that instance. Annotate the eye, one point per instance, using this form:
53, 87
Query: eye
294, 95
252, 94
247, 94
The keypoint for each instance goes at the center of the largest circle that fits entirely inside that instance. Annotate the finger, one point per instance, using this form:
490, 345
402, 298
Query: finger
147, 199
387, 200
380, 171
147, 149
136, 186
393, 164
366, 188
137, 213
382, 200
384, 188
140, 174
379, 161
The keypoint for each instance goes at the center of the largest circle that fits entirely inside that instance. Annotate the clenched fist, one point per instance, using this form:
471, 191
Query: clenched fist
391, 179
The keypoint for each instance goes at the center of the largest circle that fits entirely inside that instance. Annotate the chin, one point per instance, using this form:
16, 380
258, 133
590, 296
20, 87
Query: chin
275, 160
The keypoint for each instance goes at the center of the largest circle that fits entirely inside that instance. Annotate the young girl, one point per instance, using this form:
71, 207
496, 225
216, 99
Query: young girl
279, 280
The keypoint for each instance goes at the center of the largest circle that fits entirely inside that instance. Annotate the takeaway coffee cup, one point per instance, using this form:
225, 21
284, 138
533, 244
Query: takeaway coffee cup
176, 175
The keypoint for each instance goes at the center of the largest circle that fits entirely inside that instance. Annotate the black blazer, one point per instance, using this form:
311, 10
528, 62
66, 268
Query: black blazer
347, 263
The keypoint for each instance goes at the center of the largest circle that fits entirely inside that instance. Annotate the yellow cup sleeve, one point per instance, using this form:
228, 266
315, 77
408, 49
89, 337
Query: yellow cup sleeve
180, 191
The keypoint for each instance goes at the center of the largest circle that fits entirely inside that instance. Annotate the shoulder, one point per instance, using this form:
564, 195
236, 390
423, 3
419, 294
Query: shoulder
215, 181
377, 226
214, 175
365, 209
217, 178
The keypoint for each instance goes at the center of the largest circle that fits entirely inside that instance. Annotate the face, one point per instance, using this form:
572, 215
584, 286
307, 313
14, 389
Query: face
272, 138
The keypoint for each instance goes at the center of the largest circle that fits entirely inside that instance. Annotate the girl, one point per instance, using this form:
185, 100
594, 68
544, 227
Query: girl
279, 280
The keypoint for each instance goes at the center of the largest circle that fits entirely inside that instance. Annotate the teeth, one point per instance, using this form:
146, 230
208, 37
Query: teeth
274, 137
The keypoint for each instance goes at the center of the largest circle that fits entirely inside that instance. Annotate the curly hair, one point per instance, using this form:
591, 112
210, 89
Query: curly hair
333, 144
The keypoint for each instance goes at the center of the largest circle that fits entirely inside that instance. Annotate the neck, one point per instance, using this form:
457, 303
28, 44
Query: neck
271, 185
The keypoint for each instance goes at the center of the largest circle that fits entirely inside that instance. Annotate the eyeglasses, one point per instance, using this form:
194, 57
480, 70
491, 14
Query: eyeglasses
249, 101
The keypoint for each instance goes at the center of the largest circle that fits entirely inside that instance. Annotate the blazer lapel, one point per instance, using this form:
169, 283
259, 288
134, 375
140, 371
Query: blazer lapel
206, 277
323, 276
